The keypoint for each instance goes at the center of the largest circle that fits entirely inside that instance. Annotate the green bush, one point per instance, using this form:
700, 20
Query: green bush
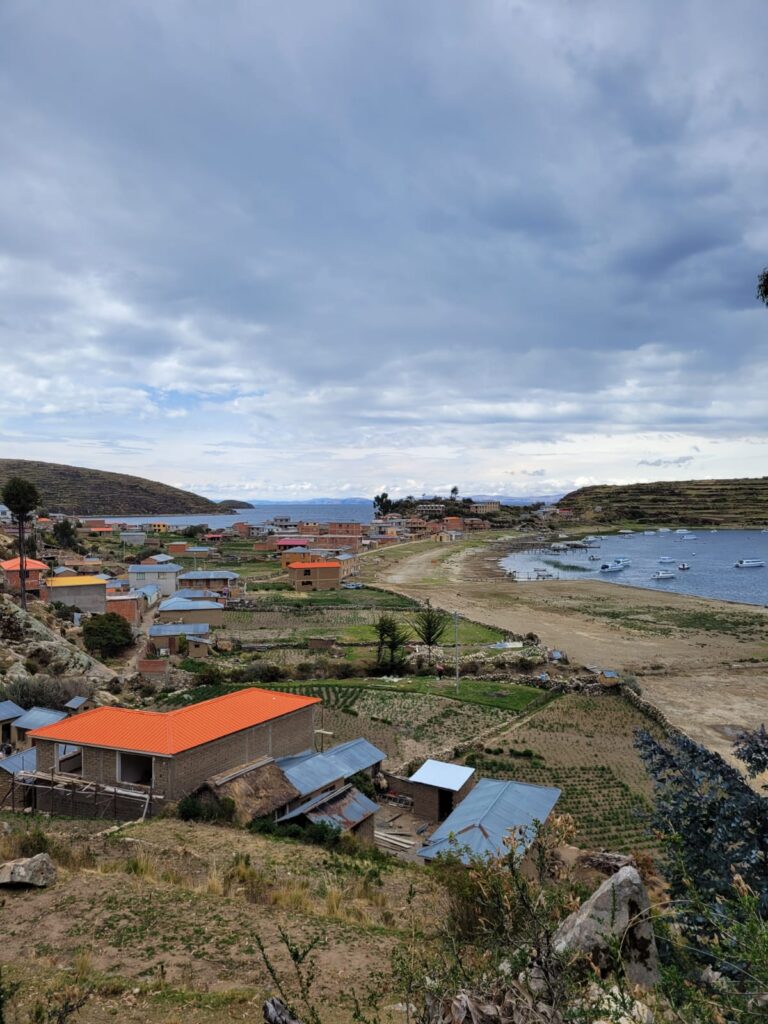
192, 808
107, 634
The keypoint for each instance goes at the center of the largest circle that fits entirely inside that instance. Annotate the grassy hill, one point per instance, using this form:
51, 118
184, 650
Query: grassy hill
79, 491
686, 502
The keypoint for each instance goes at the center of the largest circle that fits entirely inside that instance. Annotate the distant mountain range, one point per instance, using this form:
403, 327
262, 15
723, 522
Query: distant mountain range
547, 499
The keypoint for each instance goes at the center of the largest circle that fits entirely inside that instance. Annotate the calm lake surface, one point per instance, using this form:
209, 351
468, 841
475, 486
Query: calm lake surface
343, 512
711, 557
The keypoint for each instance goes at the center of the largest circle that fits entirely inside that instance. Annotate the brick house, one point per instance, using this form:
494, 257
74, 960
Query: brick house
129, 606
220, 580
165, 637
33, 571
177, 609
324, 575
174, 752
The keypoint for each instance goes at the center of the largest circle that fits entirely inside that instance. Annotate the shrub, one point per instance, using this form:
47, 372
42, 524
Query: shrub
107, 634
192, 808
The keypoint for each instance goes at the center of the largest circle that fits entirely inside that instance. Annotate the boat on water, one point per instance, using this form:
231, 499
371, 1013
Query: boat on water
750, 563
688, 536
683, 566
594, 558
626, 531
649, 533
681, 531
613, 566
666, 558
662, 574
663, 529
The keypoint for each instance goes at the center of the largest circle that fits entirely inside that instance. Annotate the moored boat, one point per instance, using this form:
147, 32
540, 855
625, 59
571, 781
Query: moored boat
662, 574
666, 558
750, 563
683, 566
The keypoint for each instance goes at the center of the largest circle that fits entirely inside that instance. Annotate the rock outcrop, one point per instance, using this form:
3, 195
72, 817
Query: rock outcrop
616, 916
38, 871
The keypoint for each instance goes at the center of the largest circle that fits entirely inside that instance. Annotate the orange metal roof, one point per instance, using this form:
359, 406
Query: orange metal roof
13, 564
314, 565
170, 732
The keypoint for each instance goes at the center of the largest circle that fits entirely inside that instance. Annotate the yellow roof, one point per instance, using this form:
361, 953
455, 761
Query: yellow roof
75, 581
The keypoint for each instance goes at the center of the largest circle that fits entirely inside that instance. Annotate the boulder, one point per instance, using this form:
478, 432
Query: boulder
38, 871
618, 911
606, 861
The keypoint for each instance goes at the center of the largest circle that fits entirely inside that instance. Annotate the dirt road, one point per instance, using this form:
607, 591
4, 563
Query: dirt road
704, 663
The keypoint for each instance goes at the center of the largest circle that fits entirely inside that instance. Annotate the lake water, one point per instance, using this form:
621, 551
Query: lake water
341, 512
711, 557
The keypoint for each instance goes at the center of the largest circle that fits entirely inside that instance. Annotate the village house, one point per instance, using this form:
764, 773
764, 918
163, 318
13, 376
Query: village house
36, 717
165, 577
177, 547
174, 752
198, 646
86, 593
220, 580
64, 570
9, 712
129, 605
34, 572
324, 575
133, 538
200, 594
485, 507
165, 638
159, 558
435, 790
178, 609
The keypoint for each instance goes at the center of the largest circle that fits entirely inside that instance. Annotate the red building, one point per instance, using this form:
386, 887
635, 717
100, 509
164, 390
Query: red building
33, 571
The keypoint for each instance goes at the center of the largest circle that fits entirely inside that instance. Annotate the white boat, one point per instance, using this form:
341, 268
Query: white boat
664, 529
688, 536
663, 574
649, 533
750, 563
612, 567
683, 566
594, 558
681, 531
626, 531
666, 558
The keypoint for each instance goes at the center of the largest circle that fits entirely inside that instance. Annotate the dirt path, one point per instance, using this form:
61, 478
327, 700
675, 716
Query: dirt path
704, 663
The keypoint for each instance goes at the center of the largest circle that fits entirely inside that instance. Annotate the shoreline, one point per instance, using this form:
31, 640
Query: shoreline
702, 661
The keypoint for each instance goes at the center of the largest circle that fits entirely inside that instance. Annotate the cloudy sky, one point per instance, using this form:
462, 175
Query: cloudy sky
321, 248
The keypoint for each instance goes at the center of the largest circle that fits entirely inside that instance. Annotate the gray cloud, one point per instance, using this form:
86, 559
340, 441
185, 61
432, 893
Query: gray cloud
381, 226
681, 460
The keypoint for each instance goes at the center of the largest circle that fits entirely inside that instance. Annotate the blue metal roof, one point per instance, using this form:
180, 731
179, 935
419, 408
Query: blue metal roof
180, 629
180, 604
149, 589
190, 594
309, 771
75, 703
210, 574
161, 558
167, 567
26, 760
443, 775
479, 825
343, 808
9, 710
36, 718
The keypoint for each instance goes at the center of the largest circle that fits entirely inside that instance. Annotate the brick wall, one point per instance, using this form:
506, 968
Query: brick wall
46, 755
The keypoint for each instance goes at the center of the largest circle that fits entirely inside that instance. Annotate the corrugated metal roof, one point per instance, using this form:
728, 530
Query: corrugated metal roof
343, 808
309, 771
179, 629
170, 732
190, 593
36, 718
443, 775
76, 702
168, 567
9, 710
180, 604
22, 760
479, 825
210, 574
161, 558
62, 582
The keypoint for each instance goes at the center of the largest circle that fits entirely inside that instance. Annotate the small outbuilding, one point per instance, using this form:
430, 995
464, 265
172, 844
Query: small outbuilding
86, 593
178, 609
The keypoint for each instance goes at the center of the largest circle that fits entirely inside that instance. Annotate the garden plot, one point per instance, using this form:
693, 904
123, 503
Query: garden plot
408, 726
584, 746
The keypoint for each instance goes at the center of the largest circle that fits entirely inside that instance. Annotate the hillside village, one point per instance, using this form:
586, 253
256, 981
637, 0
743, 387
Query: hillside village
256, 680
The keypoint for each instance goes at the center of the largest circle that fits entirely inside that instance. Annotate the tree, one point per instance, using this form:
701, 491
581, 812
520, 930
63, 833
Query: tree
107, 635
752, 748
391, 638
762, 286
65, 535
430, 626
714, 822
454, 493
382, 504
22, 498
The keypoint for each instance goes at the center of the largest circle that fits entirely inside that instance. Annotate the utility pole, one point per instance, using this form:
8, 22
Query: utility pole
456, 647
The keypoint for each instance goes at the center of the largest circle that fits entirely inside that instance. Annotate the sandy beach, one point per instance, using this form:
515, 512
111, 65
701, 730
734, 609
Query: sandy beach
703, 662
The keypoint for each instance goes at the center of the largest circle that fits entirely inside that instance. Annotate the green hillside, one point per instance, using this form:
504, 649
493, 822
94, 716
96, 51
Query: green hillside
87, 492
685, 502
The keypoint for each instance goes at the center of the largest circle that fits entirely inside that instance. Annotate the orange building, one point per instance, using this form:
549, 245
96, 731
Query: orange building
33, 573
320, 575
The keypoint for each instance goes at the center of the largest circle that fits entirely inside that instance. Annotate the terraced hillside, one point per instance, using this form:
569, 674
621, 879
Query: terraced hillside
82, 492
725, 503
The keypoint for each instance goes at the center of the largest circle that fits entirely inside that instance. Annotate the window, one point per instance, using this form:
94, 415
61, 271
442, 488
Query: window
307, 572
134, 768
141, 575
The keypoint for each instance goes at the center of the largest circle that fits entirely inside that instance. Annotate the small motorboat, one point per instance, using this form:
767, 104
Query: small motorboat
750, 563
663, 574
612, 567
649, 533
594, 558
683, 566
688, 536
666, 558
